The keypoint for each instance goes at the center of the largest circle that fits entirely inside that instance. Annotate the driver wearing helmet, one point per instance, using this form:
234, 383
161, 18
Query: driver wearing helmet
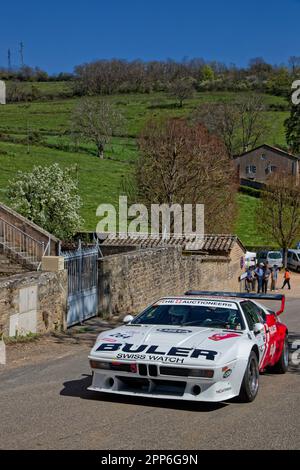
178, 314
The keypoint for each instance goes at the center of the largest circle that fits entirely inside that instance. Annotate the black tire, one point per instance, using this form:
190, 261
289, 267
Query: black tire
250, 383
282, 365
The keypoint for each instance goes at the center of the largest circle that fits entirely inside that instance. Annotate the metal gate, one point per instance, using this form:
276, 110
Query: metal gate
82, 267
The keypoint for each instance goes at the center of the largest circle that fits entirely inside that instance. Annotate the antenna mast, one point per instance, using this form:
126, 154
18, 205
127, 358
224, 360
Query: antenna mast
22, 54
8, 59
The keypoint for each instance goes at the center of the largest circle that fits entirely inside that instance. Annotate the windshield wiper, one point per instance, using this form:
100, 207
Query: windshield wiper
208, 324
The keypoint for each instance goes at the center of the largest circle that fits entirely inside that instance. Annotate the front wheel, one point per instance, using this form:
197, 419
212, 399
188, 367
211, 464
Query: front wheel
282, 365
250, 382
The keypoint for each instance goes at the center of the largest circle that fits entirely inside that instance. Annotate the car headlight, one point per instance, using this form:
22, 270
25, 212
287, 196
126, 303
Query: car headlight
99, 365
118, 366
208, 373
185, 372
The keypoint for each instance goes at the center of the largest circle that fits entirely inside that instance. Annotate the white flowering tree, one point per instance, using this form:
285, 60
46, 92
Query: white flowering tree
48, 196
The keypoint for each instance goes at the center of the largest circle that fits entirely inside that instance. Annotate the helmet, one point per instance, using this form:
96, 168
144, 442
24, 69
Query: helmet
178, 313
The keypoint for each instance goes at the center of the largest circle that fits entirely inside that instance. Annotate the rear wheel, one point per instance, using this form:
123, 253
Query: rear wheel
250, 382
282, 365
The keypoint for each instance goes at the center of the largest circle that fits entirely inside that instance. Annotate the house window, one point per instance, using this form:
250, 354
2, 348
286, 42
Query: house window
294, 168
270, 169
250, 169
263, 156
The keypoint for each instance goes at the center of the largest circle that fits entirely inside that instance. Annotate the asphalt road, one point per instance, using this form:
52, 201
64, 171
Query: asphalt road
47, 406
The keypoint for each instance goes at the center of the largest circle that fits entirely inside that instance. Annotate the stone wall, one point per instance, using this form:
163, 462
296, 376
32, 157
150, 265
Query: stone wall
34, 301
107, 250
129, 282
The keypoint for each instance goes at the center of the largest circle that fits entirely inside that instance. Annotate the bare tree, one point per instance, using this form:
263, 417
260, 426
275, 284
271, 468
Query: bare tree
182, 89
240, 124
223, 120
278, 212
252, 122
95, 120
182, 163
294, 63
259, 68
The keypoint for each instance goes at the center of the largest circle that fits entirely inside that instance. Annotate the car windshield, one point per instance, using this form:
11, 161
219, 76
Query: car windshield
192, 315
275, 255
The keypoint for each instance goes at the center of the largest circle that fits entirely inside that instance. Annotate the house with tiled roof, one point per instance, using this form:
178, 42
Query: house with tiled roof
258, 164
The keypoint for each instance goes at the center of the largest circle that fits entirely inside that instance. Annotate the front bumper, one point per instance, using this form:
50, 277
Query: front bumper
217, 388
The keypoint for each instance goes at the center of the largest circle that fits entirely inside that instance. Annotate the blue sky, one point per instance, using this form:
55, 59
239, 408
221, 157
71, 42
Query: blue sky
58, 34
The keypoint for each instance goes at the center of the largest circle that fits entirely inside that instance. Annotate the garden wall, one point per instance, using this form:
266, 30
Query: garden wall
128, 282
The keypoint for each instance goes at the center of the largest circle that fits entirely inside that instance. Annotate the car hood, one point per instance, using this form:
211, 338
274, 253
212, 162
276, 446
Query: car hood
174, 344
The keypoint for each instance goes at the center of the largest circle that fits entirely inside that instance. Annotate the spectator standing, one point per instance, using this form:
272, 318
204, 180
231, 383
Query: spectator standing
287, 278
274, 277
249, 279
259, 274
266, 277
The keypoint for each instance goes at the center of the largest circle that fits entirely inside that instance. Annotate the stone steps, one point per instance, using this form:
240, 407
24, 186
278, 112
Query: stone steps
11, 262
9, 266
18, 256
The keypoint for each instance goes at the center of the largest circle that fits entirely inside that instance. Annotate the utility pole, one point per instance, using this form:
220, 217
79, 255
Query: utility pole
22, 54
8, 59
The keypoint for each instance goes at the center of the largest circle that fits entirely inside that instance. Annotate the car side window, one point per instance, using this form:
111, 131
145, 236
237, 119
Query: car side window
259, 312
252, 313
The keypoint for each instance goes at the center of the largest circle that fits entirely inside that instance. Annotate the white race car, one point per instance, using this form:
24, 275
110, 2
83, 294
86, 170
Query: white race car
202, 346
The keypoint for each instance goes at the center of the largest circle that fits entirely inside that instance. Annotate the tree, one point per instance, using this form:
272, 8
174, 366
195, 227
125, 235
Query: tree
240, 124
259, 68
292, 129
184, 164
182, 89
278, 211
221, 119
252, 121
207, 73
95, 120
49, 197
279, 83
294, 64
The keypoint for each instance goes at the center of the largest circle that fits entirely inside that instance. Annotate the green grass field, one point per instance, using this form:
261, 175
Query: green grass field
246, 224
47, 123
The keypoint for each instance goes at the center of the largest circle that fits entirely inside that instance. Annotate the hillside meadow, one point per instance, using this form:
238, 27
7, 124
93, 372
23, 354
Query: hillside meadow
39, 133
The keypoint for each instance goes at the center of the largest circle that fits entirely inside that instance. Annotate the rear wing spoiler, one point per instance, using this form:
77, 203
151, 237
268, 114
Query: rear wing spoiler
242, 295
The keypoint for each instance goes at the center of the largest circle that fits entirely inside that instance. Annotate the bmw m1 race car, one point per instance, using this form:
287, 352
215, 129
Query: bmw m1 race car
202, 346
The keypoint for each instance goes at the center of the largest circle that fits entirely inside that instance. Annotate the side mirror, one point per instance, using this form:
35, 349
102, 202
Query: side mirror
127, 319
258, 328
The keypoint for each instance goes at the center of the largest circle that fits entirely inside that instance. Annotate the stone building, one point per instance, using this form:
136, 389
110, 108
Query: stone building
31, 300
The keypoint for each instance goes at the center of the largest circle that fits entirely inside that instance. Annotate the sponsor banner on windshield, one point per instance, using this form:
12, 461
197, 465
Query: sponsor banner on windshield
200, 302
